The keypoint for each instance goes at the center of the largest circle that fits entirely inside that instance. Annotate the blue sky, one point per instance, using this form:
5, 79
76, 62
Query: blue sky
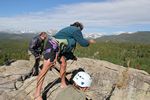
98, 16
17, 7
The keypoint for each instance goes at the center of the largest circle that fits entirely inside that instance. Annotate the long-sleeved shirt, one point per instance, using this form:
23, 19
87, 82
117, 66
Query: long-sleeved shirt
36, 46
73, 36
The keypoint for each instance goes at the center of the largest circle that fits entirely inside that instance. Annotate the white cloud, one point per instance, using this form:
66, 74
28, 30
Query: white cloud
112, 13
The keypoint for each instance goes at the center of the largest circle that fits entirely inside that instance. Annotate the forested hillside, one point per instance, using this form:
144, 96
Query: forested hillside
137, 37
119, 53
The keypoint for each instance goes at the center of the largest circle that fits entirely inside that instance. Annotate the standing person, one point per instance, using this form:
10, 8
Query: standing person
36, 47
82, 82
50, 57
70, 36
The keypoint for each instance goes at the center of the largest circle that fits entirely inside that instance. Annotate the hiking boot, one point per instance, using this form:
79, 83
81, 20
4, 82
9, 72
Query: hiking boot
35, 73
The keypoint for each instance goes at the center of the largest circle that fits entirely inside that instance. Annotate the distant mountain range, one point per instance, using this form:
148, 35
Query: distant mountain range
137, 37
14, 36
20, 35
92, 35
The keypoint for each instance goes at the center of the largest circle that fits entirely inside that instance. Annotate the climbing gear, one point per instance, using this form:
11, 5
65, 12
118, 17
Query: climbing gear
82, 79
62, 43
52, 40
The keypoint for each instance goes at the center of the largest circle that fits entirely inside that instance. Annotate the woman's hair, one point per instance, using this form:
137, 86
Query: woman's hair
42, 33
78, 24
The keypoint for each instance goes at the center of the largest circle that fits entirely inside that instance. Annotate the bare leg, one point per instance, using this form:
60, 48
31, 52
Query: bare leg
40, 79
63, 72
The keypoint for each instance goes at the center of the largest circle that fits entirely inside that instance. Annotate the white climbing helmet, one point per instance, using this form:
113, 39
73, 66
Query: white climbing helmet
82, 79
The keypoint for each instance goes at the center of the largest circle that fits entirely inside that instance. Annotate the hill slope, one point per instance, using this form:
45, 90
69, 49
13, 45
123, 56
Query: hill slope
137, 37
13, 36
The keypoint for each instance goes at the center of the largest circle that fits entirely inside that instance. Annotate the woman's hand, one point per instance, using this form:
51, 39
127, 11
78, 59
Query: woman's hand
92, 41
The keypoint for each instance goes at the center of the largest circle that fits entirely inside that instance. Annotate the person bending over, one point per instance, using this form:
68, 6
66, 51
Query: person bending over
50, 57
70, 36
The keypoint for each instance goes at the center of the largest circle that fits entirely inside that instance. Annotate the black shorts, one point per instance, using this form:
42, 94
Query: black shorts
67, 55
51, 50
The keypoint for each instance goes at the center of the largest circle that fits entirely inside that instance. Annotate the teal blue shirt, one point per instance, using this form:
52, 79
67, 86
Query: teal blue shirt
73, 36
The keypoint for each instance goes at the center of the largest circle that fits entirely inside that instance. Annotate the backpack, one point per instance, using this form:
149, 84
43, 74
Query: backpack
68, 46
67, 49
65, 45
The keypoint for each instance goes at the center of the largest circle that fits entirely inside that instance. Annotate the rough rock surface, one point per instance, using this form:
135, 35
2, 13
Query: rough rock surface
110, 81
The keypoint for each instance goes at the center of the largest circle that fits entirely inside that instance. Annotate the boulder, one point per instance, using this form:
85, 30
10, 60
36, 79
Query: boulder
110, 81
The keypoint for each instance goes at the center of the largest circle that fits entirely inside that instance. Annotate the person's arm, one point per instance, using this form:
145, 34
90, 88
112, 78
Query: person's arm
92, 41
79, 38
32, 47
